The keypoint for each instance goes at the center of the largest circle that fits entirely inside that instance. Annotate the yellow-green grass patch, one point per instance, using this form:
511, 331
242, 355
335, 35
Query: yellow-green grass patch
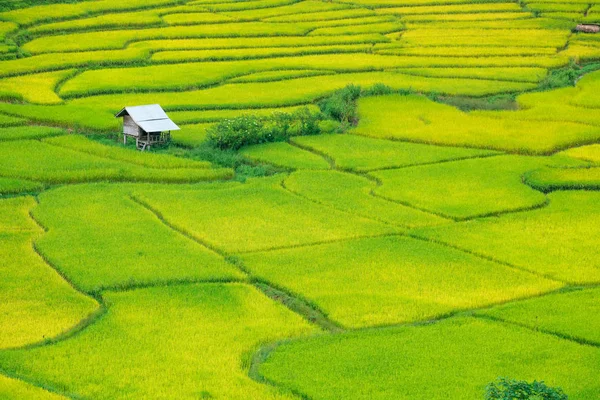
56, 61
451, 9
189, 75
28, 132
285, 155
452, 359
486, 37
392, 280
573, 314
419, 119
251, 53
471, 188
493, 16
588, 94
223, 6
468, 51
36, 14
568, 7
99, 237
587, 153
65, 115
353, 194
191, 135
559, 240
14, 186
582, 52
107, 21
103, 40
9, 120
299, 91
523, 74
37, 88
193, 18
36, 303
383, 27
269, 76
572, 16
7, 27
296, 9
548, 24
359, 153
203, 333
34, 160
323, 15
256, 216
188, 117
549, 179
17, 389
406, 3
255, 42
152, 160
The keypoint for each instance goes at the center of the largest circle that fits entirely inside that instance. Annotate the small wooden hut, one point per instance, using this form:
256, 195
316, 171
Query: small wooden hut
588, 28
148, 124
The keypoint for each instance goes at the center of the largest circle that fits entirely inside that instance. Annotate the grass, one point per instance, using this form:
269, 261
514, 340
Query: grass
257, 215
407, 363
192, 117
34, 160
588, 153
284, 155
14, 186
41, 13
359, 153
529, 240
204, 333
38, 88
28, 132
16, 389
255, 42
253, 53
296, 9
117, 39
429, 122
36, 303
92, 228
391, 280
293, 92
208, 268
572, 314
469, 51
550, 179
451, 9
194, 75
117, 153
58, 61
472, 188
521, 74
352, 194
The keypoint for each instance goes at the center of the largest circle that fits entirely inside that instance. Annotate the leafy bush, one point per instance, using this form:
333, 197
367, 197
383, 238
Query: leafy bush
510, 389
341, 105
246, 130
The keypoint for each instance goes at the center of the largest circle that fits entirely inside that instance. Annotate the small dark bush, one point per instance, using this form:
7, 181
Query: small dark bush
510, 389
378, 89
247, 130
341, 105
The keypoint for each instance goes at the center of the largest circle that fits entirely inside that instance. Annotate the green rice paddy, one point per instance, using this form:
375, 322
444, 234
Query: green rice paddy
435, 229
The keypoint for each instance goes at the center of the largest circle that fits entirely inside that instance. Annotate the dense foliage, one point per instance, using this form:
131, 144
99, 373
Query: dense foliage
249, 129
511, 389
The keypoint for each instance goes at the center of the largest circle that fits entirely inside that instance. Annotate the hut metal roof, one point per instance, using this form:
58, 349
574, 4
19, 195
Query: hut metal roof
151, 118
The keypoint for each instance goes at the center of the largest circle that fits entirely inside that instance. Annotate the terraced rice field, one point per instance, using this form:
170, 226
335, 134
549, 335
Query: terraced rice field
420, 218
